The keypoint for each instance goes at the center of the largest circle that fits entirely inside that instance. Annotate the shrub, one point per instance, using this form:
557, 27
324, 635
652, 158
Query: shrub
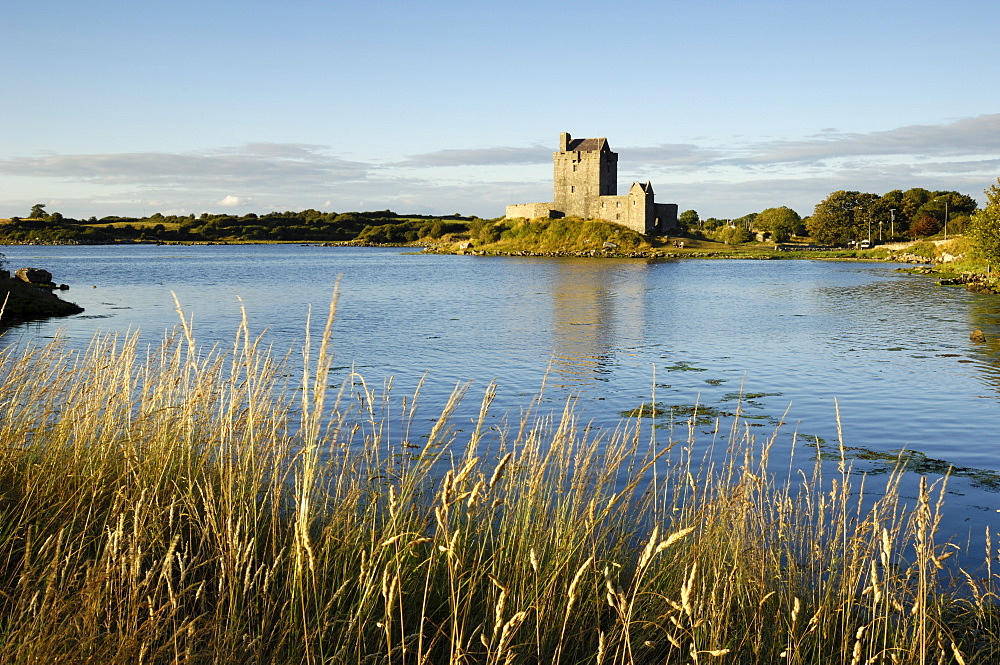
924, 249
732, 235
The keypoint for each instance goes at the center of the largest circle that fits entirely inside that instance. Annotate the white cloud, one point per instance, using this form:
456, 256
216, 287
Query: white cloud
231, 201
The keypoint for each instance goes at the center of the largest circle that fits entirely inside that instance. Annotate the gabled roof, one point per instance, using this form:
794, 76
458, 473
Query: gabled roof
588, 145
644, 186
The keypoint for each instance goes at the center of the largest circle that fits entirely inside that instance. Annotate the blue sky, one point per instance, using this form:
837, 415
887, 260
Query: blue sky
115, 107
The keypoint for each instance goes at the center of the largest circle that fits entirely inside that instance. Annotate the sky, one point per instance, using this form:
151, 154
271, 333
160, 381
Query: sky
112, 107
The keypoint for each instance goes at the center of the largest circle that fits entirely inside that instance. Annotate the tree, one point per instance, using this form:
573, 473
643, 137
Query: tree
913, 200
834, 219
984, 229
688, 219
952, 203
924, 225
38, 211
781, 222
844, 216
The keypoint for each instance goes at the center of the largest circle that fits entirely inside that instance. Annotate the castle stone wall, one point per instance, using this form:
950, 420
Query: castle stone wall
532, 210
666, 216
613, 209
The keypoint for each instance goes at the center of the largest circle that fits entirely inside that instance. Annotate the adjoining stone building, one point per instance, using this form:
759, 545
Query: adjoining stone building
585, 184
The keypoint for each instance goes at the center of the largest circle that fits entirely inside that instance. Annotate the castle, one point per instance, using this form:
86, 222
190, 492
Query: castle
585, 185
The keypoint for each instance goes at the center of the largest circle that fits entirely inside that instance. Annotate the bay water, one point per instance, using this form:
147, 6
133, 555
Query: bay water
787, 341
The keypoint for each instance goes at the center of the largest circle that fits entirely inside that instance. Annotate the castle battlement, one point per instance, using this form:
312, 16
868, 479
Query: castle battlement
585, 184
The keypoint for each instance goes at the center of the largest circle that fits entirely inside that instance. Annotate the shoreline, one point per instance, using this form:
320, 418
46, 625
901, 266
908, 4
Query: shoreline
22, 302
975, 281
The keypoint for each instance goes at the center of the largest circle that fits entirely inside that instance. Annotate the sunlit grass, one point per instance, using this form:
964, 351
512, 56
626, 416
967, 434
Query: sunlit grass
197, 506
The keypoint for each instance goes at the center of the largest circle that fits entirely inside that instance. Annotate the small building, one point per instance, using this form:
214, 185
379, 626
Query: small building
585, 184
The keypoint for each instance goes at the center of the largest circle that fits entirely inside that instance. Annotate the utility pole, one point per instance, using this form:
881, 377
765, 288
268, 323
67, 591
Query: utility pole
892, 223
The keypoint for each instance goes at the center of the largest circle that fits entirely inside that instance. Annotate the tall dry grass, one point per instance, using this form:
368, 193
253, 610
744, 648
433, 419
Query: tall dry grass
187, 505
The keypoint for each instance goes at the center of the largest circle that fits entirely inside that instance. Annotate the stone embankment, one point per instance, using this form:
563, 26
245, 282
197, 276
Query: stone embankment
971, 281
905, 257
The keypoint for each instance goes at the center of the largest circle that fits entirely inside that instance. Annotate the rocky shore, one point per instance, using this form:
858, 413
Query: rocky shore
28, 295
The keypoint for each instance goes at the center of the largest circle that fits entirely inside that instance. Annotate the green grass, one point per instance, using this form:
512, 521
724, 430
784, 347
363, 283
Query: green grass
187, 505
568, 234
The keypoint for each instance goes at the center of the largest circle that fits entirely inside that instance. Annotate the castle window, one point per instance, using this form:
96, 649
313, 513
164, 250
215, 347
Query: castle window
574, 168
572, 189
618, 216
619, 204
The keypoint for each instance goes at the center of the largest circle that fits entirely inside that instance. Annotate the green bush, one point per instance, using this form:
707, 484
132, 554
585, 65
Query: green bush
732, 235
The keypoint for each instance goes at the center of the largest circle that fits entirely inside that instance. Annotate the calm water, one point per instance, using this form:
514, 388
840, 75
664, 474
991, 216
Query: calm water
892, 349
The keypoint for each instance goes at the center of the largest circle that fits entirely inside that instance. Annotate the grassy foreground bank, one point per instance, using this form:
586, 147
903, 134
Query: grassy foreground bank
192, 506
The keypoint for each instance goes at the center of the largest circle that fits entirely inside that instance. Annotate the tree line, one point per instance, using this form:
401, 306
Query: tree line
376, 227
846, 216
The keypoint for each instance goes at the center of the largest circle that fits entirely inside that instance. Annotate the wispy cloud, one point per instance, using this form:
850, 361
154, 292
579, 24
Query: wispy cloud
670, 154
254, 165
967, 138
712, 175
481, 157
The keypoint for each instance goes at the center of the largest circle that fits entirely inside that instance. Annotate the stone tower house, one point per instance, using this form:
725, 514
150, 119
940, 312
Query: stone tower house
585, 184
583, 171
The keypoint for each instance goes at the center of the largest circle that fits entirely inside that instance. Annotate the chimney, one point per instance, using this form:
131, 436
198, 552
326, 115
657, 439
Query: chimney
564, 139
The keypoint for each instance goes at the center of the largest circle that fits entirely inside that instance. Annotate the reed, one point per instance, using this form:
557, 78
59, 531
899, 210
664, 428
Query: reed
189, 505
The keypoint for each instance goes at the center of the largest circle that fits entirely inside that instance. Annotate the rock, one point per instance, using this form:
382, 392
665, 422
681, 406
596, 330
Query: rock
977, 336
27, 302
34, 276
978, 287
